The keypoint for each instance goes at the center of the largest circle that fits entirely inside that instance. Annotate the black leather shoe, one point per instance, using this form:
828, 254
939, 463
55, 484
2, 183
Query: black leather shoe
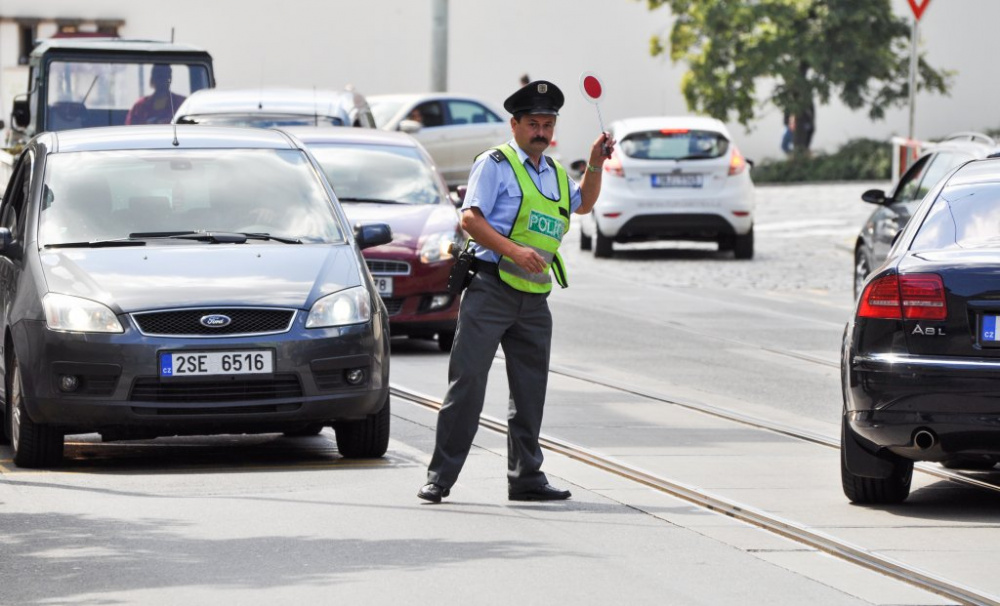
545, 492
433, 493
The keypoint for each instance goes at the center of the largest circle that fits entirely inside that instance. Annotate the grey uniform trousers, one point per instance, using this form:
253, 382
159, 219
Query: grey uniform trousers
493, 314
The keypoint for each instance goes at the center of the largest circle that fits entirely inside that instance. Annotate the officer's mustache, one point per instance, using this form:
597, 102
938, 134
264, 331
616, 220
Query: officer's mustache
539, 140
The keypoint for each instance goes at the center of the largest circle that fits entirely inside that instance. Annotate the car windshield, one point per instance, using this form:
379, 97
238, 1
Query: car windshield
965, 216
84, 94
257, 120
390, 173
105, 195
674, 144
384, 111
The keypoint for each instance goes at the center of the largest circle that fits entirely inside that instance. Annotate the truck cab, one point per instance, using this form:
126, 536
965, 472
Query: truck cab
85, 83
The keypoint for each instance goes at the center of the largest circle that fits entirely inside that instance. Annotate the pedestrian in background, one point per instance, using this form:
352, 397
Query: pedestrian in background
516, 209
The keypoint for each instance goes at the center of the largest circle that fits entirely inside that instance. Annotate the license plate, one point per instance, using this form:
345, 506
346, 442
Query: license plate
988, 330
677, 180
383, 285
208, 363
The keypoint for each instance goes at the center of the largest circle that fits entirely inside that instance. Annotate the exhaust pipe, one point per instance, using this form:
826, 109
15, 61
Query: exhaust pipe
924, 439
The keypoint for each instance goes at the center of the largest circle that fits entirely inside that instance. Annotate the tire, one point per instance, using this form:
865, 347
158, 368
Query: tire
446, 339
862, 267
743, 246
586, 242
603, 247
367, 438
309, 430
969, 463
34, 445
875, 491
727, 243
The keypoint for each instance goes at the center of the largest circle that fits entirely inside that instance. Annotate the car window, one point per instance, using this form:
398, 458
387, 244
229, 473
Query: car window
967, 216
940, 165
469, 112
909, 184
12, 209
674, 144
111, 194
430, 114
378, 172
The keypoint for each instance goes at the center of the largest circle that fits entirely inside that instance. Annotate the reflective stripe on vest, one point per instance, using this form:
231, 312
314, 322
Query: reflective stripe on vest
540, 224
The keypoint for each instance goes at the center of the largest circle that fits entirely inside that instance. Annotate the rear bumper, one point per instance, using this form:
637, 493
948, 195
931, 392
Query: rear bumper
891, 397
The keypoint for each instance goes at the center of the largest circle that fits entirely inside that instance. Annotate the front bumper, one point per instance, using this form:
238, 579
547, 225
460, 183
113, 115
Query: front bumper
891, 397
120, 391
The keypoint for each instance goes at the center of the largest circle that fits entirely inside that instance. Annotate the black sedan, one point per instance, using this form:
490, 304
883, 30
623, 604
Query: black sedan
921, 357
164, 280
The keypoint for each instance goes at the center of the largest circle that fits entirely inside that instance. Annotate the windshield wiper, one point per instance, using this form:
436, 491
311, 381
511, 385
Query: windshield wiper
219, 237
98, 243
375, 200
267, 236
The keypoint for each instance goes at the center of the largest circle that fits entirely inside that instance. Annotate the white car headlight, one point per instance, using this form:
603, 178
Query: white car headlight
351, 306
73, 314
437, 247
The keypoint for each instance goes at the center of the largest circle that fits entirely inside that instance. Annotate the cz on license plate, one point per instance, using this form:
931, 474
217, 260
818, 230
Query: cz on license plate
207, 363
988, 329
677, 180
384, 285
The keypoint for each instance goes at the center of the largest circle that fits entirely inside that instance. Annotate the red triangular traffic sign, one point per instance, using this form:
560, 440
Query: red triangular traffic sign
918, 6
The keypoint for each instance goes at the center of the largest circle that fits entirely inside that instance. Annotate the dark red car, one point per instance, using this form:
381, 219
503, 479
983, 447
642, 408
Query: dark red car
388, 177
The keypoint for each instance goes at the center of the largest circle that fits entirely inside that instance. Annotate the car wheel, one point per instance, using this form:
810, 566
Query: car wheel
586, 242
367, 438
862, 267
603, 247
969, 463
308, 430
446, 339
727, 243
743, 246
874, 491
34, 445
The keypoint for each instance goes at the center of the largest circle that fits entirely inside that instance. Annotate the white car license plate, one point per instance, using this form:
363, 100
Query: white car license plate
384, 285
988, 332
677, 180
207, 363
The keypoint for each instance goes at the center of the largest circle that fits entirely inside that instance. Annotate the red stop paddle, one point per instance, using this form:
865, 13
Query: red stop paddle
593, 90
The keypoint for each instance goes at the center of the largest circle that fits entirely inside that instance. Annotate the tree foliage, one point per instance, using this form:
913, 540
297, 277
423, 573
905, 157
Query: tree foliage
810, 49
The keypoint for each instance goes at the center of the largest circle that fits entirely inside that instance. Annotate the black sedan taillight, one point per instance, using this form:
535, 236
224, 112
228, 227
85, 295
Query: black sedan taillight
910, 297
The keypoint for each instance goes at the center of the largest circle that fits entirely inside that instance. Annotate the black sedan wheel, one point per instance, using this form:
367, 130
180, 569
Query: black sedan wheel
34, 445
367, 438
862, 267
875, 491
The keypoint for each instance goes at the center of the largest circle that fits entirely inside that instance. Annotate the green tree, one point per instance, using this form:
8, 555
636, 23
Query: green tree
809, 49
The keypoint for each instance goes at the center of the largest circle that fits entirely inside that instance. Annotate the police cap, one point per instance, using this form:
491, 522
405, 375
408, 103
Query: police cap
538, 97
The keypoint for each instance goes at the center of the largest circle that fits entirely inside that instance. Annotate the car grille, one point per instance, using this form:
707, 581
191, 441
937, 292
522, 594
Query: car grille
388, 268
393, 306
187, 322
148, 389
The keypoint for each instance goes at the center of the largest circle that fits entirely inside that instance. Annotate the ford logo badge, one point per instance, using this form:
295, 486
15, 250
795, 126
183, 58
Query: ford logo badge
216, 321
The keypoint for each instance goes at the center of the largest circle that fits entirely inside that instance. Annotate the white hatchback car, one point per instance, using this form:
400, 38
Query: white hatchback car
673, 178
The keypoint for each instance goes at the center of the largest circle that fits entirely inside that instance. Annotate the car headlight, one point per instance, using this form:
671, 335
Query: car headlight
351, 306
73, 314
437, 247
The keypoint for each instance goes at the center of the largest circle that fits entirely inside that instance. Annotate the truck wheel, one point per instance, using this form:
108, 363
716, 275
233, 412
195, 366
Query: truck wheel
367, 438
34, 445
875, 491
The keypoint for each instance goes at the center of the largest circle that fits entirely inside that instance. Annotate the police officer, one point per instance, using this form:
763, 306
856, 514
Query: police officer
516, 210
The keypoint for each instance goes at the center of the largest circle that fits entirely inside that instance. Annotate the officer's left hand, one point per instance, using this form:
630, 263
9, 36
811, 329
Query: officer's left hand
601, 149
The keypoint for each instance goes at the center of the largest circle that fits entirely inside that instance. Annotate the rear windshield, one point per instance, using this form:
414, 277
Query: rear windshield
372, 173
674, 144
262, 120
110, 194
966, 216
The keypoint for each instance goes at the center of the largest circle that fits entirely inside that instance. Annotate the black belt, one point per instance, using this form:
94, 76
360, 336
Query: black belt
487, 267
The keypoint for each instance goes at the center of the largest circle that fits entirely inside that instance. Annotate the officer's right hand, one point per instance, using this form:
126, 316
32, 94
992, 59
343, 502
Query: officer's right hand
528, 259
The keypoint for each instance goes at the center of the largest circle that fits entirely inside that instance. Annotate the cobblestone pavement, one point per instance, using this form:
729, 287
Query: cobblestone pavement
804, 237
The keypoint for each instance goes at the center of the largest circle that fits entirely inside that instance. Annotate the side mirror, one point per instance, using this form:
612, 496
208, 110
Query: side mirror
874, 196
410, 127
458, 196
372, 234
21, 114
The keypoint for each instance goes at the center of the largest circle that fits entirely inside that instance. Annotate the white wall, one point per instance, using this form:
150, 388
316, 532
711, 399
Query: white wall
383, 46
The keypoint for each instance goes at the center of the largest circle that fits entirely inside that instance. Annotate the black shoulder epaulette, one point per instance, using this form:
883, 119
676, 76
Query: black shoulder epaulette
497, 156
551, 162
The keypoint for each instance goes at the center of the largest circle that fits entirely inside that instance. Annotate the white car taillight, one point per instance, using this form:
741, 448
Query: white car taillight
737, 163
